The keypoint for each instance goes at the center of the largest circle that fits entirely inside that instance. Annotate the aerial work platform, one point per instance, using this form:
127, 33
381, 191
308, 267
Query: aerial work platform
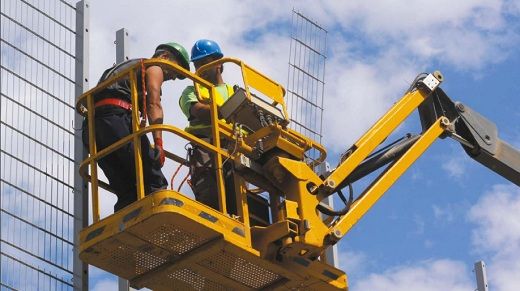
167, 241
278, 239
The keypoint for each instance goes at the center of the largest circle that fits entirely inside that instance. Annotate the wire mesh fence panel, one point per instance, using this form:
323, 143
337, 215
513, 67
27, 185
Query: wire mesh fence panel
37, 138
306, 78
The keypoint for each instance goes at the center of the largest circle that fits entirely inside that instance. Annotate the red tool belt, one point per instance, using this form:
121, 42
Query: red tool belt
114, 101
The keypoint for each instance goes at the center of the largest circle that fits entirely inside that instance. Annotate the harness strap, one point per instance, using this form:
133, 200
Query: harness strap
114, 101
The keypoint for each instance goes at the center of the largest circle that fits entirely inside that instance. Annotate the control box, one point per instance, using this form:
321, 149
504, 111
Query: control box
251, 111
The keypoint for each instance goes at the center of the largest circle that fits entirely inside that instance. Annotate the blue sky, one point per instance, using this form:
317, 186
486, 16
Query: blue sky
447, 211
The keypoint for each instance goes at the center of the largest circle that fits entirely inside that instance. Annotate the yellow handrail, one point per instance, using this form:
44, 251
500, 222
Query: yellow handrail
85, 107
252, 79
81, 101
271, 89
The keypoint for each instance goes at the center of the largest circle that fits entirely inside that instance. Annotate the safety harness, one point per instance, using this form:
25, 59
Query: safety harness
124, 104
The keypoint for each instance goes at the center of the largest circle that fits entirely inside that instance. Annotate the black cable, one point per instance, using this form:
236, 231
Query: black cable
407, 136
419, 77
331, 212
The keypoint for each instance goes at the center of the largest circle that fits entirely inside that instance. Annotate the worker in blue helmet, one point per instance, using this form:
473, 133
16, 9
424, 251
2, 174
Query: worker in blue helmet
196, 108
197, 111
205, 48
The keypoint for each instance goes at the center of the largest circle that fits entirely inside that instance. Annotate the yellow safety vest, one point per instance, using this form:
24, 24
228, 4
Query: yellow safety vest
201, 128
204, 95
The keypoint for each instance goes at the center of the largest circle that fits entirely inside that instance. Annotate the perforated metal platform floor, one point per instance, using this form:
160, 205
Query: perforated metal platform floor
167, 241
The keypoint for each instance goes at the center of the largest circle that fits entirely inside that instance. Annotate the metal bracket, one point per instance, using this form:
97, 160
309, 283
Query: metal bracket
480, 273
121, 45
432, 81
484, 131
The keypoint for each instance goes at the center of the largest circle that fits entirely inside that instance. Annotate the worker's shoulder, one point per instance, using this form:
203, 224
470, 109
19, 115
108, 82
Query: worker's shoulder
188, 90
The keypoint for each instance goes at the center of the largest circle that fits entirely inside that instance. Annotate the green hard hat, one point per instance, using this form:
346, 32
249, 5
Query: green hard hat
179, 51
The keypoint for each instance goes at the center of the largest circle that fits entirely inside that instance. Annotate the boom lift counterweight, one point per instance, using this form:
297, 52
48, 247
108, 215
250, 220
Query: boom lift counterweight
168, 241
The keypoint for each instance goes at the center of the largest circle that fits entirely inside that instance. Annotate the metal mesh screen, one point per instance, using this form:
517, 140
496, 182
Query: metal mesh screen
37, 144
306, 78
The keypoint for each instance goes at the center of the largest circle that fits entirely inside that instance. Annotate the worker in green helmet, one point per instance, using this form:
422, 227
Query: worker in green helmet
113, 121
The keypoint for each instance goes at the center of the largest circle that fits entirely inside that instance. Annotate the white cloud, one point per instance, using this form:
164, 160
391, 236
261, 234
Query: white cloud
105, 285
454, 167
513, 7
364, 92
445, 30
353, 263
498, 235
456, 164
496, 215
394, 17
430, 275
404, 39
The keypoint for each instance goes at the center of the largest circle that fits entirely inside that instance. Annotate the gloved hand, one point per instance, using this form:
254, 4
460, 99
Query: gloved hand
161, 157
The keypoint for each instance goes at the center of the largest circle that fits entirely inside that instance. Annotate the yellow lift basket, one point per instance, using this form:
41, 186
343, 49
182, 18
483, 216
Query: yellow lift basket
168, 241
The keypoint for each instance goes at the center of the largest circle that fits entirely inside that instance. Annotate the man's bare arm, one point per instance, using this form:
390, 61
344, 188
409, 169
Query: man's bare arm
154, 80
201, 112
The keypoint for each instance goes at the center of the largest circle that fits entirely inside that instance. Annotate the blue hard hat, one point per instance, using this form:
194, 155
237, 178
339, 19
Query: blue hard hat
204, 48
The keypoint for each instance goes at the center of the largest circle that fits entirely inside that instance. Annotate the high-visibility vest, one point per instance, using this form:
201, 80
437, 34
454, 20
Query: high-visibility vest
204, 95
201, 128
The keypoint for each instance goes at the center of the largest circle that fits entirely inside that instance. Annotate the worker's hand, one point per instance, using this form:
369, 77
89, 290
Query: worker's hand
160, 156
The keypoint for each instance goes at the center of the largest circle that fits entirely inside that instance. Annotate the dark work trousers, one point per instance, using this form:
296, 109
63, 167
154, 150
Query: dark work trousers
112, 124
204, 179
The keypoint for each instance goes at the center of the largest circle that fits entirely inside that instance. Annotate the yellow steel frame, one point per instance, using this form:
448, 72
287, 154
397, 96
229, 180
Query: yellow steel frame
375, 136
252, 80
134, 234
85, 106
113, 229
298, 232
388, 178
318, 234
136, 125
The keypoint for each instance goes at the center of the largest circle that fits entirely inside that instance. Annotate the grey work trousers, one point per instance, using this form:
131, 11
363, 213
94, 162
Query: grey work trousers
204, 179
